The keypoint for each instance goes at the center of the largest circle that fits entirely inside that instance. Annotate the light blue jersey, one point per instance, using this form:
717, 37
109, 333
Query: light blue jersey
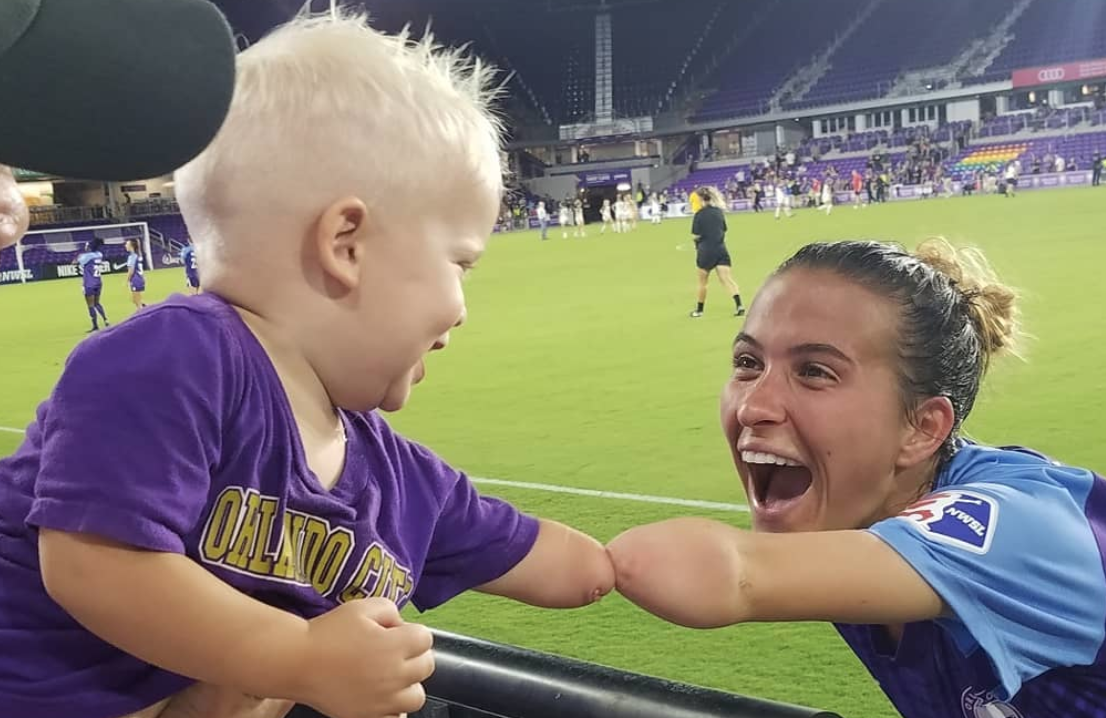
1014, 544
191, 271
89, 262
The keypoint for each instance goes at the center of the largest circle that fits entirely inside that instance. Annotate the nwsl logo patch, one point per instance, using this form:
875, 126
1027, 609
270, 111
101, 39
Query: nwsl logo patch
963, 519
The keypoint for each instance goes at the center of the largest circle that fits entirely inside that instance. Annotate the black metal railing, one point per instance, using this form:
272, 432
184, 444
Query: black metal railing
55, 214
480, 679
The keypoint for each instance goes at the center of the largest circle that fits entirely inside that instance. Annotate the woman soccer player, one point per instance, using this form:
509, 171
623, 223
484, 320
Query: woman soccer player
136, 277
605, 215
564, 218
783, 197
191, 269
827, 195
655, 213
968, 579
89, 263
579, 229
708, 229
543, 220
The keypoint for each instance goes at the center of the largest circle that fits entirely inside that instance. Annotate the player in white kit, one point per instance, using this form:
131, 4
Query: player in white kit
783, 199
827, 195
605, 215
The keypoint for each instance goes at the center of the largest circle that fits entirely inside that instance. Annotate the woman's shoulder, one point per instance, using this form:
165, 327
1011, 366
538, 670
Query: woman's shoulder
1015, 466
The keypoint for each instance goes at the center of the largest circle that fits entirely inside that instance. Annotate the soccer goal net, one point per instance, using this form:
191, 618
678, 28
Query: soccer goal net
50, 254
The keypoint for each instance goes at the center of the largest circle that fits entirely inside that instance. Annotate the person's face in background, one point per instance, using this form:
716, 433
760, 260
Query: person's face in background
14, 217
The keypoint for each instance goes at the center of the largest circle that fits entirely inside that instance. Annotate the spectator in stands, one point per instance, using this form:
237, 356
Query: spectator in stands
318, 312
968, 579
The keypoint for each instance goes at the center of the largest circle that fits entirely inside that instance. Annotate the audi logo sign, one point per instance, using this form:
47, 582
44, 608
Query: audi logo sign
1051, 74
1065, 72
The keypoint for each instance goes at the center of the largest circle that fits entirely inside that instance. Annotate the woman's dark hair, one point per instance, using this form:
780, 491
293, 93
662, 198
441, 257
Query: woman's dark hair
955, 314
95, 243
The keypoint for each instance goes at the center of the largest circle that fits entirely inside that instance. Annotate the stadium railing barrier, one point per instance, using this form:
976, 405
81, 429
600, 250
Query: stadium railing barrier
474, 678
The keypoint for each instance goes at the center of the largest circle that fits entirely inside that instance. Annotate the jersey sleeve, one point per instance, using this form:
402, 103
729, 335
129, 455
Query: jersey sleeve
132, 260
1019, 567
133, 430
696, 226
476, 539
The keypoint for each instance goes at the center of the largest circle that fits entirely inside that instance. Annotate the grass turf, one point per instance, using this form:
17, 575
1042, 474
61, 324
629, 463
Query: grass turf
579, 367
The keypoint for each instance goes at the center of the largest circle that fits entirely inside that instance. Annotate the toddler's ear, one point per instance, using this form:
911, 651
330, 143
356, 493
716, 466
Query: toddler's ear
339, 240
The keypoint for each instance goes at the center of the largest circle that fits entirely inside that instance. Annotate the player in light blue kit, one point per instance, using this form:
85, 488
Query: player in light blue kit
969, 580
136, 276
89, 263
191, 270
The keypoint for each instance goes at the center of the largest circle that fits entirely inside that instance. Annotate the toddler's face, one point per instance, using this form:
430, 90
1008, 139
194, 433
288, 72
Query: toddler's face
414, 295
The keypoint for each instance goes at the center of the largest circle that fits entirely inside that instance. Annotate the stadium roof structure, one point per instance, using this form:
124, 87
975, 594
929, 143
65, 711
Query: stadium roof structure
253, 19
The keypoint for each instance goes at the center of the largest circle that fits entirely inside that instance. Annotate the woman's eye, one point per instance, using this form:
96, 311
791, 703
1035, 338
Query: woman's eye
744, 361
815, 371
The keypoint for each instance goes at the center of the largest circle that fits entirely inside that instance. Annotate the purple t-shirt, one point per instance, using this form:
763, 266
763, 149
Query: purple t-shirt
214, 469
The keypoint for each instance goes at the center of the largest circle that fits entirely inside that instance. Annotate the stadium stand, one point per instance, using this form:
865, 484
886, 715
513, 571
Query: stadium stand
1051, 31
1080, 147
780, 44
643, 67
1042, 120
865, 66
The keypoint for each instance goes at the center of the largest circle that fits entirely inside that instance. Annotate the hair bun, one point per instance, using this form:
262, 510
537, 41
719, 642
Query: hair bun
993, 306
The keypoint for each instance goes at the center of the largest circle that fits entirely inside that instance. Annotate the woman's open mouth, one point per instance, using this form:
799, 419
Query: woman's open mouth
777, 483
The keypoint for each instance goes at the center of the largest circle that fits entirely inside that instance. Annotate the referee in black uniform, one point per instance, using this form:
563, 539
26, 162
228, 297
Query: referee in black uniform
709, 232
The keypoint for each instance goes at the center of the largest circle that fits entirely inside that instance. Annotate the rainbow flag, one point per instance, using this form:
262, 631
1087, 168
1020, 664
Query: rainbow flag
985, 157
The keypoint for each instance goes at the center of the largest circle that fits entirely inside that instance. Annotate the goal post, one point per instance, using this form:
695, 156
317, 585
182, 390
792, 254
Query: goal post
49, 253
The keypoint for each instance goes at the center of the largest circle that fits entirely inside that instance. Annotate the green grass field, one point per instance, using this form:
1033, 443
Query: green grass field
580, 368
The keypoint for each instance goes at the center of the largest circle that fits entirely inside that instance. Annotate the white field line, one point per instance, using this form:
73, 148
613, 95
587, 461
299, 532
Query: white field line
592, 493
